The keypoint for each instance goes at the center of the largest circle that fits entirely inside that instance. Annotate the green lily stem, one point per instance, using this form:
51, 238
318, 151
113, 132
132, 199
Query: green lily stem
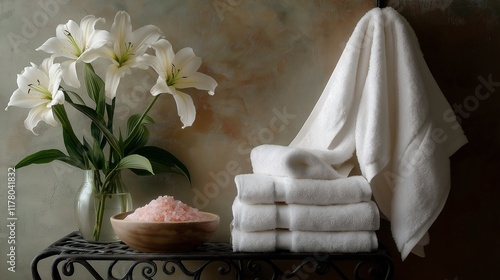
101, 207
134, 129
102, 195
105, 183
110, 111
99, 215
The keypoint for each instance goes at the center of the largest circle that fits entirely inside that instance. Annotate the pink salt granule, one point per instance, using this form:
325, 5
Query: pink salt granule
166, 209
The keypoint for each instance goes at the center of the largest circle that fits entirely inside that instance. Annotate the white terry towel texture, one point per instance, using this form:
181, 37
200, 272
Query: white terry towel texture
291, 162
267, 189
296, 217
383, 104
304, 241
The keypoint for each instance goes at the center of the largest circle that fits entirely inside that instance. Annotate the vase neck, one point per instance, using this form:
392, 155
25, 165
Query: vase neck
88, 175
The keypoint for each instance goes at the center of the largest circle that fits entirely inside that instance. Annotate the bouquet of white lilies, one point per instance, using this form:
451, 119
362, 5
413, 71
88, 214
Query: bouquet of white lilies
40, 88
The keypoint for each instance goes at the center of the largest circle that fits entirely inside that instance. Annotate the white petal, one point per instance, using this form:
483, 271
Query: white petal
113, 76
186, 61
145, 36
198, 80
46, 65
77, 34
55, 74
98, 39
136, 62
185, 108
93, 54
154, 62
58, 48
38, 114
87, 25
24, 100
69, 74
62, 34
121, 30
165, 55
160, 87
27, 96
57, 98
31, 75
61, 30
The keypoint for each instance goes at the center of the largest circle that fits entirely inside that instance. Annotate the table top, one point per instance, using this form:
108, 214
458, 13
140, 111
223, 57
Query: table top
74, 244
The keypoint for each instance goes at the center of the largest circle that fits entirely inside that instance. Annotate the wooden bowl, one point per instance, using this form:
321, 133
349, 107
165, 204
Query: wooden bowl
164, 237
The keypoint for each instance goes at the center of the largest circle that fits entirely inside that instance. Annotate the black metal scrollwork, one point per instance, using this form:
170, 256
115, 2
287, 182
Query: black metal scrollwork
255, 268
377, 268
209, 259
68, 268
313, 266
148, 270
225, 267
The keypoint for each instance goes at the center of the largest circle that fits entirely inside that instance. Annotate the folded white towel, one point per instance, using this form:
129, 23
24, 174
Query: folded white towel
383, 103
266, 189
292, 162
304, 241
346, 217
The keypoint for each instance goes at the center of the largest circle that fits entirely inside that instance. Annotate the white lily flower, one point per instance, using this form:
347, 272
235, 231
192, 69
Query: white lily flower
74, 42
38, 90
128, 47
178, 71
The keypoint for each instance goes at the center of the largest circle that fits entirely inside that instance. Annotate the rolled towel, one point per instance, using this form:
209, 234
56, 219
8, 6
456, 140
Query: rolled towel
304, 241
291, 162
266, 189
345, 217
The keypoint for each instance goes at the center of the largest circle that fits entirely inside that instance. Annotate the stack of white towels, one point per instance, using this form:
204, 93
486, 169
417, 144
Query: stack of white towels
295, 201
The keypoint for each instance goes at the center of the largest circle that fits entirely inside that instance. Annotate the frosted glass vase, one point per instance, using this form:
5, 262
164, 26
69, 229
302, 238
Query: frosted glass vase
94, 207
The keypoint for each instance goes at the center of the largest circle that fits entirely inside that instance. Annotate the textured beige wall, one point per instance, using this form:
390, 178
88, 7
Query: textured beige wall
272, 60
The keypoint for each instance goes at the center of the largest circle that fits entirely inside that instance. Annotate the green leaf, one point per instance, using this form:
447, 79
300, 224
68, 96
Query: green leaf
98, 155
74, 150
162, 161
76, 95
99, 122
95, 88
46, 156
95, 132
140, 136
96, 91
135, 162
71, 142
95, 154
110, 110
134, 119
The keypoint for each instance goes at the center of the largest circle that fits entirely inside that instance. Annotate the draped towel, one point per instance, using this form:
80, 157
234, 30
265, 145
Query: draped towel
382, 105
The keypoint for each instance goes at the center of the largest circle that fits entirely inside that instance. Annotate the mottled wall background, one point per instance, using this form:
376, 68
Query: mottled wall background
272, 60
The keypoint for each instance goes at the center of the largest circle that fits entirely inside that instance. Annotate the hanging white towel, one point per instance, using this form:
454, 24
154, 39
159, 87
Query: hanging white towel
345, 217
292, 162
383, 104
304, 241
266, 189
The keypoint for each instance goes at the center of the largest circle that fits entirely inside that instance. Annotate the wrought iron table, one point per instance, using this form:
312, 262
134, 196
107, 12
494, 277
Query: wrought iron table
73, 249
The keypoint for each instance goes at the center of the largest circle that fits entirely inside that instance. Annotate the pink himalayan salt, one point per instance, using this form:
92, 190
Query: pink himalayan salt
166, 209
